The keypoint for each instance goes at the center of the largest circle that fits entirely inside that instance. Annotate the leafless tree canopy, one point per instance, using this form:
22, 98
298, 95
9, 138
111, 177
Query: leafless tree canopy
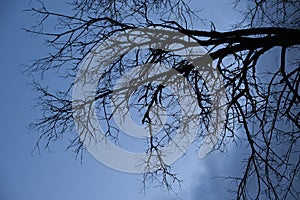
263, 106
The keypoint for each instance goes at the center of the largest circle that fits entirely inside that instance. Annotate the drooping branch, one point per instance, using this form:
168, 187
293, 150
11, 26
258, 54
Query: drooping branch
262, 109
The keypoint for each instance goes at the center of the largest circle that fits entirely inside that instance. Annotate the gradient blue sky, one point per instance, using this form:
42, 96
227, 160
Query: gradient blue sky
57, 174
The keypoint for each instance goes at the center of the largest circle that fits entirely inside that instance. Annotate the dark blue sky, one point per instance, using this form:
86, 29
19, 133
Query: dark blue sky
57, 174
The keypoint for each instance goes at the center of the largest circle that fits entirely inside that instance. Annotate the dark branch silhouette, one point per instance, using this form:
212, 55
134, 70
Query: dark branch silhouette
262, 108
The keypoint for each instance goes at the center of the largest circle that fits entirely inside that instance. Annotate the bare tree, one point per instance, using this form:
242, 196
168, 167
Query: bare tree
263, 106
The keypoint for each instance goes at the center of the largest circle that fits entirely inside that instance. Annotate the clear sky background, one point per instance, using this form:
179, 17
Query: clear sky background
57, 175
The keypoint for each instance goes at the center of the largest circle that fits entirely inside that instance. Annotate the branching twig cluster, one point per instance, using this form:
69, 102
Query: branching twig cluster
262, 109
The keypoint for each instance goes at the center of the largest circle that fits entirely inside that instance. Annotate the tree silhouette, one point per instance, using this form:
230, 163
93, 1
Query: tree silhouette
262, 106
